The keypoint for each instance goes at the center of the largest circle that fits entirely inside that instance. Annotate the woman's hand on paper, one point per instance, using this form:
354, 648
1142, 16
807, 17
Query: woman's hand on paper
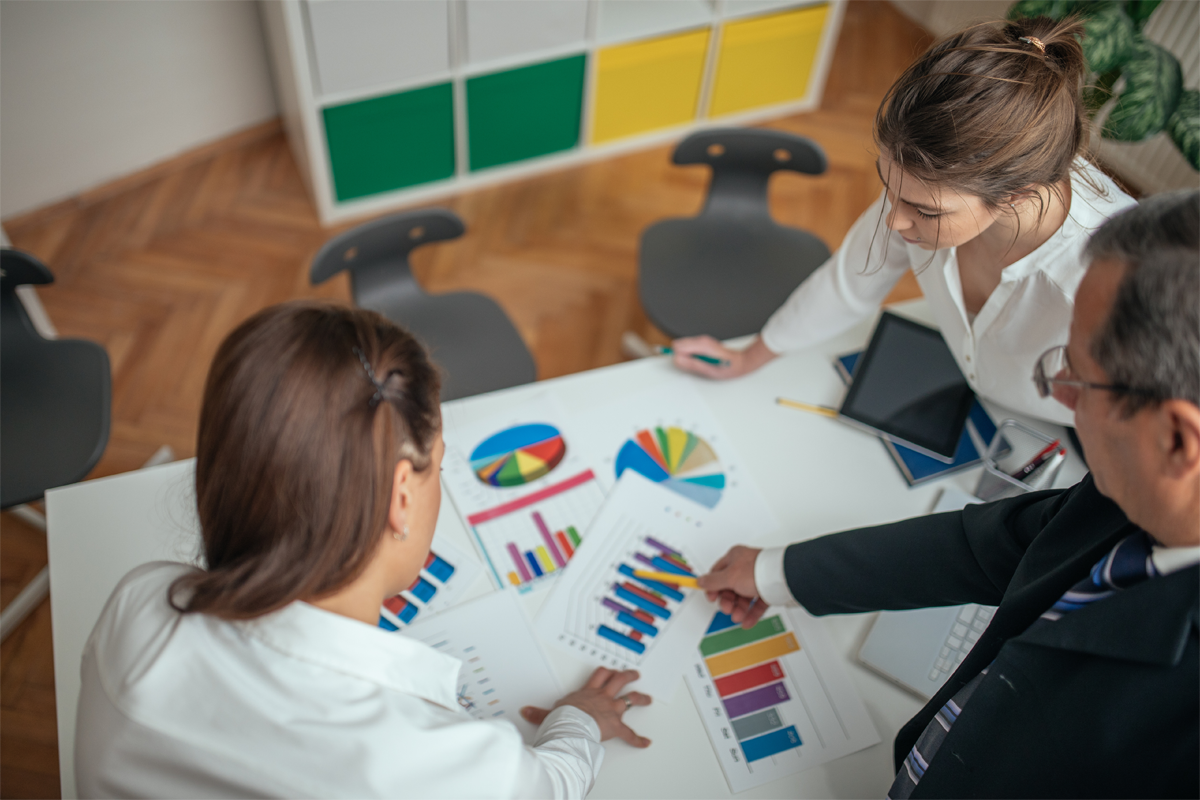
599, 698
740, 362
730, 582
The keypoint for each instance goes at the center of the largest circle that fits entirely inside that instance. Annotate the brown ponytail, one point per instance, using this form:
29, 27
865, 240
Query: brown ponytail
296, 451
992, 111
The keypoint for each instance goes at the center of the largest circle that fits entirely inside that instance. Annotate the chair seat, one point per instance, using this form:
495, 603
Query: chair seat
54, 411
722, 277
470, 337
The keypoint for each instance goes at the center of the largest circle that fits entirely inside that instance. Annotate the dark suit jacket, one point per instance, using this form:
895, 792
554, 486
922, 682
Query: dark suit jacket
1105, 702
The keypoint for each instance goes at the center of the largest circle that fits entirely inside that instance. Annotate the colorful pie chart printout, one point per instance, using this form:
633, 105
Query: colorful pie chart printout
518, 455
676, 459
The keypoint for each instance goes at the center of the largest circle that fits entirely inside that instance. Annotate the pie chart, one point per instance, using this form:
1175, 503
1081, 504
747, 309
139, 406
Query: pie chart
679, 460
518, 455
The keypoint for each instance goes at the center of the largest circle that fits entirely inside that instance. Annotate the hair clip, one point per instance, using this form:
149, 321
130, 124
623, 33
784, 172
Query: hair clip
371, 377
1033, 40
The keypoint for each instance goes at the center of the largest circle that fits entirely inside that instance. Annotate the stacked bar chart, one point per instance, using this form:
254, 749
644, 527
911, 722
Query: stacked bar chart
770, 704
445, 574
533, 537
639, 607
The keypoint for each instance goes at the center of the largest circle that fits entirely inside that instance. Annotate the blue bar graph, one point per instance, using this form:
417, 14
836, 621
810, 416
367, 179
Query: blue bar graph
407, 613
537, 569
645, 605
440, 568
423, 590
386, 624
661, 588
621, 639
720, 622
637, 624
776, 742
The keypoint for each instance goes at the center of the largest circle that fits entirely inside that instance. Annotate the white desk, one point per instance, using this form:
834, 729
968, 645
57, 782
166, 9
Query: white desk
818, 475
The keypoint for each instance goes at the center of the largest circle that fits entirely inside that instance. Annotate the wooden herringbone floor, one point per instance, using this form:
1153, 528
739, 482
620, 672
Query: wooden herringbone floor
159, 268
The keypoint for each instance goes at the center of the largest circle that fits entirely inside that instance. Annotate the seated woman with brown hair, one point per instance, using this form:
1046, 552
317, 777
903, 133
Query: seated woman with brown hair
265, 673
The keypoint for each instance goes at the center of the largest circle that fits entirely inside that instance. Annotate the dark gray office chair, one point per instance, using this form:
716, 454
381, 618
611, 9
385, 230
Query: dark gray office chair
725, 271
467, 334
55, 406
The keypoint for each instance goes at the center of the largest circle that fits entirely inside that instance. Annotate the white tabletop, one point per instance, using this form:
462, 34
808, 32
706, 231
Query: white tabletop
817, 474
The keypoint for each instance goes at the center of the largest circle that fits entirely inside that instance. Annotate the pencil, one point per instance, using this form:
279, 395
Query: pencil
716, 362
824, 411
686, 581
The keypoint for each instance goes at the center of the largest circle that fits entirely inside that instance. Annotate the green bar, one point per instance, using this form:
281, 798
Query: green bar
574, 536
737, 637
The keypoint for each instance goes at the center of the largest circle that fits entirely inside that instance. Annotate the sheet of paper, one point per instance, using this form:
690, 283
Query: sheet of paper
775, 699
444, 580
503, 667
605, 615
671, 437
525, 490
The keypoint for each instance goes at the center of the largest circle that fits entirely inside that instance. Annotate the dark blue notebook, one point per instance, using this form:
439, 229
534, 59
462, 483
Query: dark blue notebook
918, 468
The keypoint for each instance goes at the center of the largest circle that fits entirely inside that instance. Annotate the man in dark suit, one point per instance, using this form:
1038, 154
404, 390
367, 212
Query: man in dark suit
1087, 681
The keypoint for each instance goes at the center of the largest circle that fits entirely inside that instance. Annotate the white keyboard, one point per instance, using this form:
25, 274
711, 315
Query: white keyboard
971, 623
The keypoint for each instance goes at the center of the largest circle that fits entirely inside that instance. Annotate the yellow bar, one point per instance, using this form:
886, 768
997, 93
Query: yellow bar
544, 559
667, 577
824, 411
514, 579
749, 655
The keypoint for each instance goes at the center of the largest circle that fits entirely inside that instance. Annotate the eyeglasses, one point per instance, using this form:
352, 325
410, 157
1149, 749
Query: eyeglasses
1055, 362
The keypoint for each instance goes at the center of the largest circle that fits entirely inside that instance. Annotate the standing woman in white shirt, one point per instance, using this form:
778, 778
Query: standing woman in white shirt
987, 198
265, 674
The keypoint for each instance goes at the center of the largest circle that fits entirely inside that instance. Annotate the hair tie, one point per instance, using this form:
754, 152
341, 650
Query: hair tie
1033, 40
371, 377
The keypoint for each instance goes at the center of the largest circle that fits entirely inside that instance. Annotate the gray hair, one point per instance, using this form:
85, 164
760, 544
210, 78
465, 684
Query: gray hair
1151, 339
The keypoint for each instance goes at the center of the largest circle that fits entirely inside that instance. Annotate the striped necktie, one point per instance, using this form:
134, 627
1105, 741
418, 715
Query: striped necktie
1127, 563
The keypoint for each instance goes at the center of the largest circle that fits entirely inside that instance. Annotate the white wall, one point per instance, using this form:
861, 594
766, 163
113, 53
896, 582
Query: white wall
92, 90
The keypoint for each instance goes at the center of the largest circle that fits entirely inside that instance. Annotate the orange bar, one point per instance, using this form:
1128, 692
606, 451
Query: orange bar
561, 538
748, 656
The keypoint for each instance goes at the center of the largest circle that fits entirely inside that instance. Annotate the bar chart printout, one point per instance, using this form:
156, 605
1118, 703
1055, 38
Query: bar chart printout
774, 699
503, 667
445, 575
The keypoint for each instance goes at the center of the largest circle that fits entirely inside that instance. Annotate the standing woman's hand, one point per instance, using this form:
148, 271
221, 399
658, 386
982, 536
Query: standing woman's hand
599, 698
739, 362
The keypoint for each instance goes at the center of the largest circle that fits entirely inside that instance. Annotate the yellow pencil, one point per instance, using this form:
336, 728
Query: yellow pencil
824, 411
667, 577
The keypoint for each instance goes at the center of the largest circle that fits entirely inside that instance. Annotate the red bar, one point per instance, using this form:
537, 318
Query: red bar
635, 635
518, 504
564, 543
395, 604
642, 593
677, 562
748, 678
642, 615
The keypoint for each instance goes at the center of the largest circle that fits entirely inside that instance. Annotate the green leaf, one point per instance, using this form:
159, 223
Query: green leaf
1184, 127
1028, 9
1140, 10
1153, 82
1108, 35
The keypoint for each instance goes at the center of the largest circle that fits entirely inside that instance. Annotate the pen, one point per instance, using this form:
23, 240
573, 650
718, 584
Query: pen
686, 581
1035, 462
716, 362
1045, 472
824, 411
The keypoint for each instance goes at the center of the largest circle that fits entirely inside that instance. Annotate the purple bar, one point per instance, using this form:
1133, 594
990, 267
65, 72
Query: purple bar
767, 696
615, 606
522, 570
647, 561
655, 543
559, 561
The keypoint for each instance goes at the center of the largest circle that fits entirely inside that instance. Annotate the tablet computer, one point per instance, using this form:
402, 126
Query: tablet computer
908, 387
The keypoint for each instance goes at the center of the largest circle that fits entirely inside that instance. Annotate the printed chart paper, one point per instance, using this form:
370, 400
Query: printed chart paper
524, 490
447, 574
774, 699
605, 615
671, 437
503, 667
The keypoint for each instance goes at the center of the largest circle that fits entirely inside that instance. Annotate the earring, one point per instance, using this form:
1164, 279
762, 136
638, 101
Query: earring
402, 536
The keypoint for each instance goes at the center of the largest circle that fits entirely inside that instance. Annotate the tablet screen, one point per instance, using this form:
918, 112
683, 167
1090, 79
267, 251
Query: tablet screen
908, 386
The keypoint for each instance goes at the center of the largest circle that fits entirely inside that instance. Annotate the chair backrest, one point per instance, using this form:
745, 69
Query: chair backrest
742, 161
18, 269
376, 254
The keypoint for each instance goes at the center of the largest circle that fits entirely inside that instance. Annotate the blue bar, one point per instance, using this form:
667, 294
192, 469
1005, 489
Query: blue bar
667, 566
661, 588
641, 603
440, 568
621, 639
386, 624
424, 590
407, 613
637, 624
776, 742
720, 622
537, 570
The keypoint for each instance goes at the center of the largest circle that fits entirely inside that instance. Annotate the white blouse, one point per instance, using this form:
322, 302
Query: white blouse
1027, 314
298, 703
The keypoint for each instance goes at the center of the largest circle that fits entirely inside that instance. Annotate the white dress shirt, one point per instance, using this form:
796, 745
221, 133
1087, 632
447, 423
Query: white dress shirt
1027, 314
298, 703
